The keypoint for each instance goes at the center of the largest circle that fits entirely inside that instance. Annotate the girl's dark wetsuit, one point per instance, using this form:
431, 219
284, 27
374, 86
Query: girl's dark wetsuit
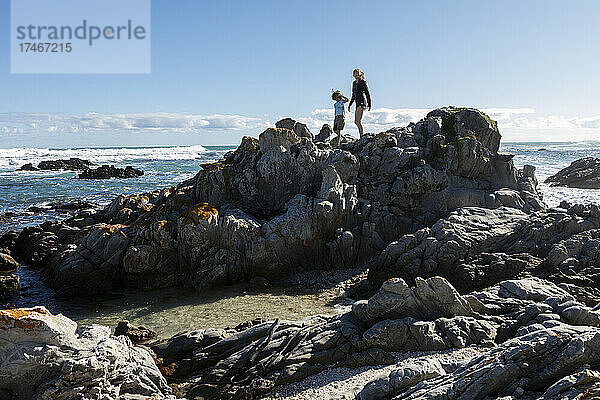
360, 93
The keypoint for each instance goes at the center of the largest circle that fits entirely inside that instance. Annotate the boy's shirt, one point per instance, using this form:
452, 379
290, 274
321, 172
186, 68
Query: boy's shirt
339, 107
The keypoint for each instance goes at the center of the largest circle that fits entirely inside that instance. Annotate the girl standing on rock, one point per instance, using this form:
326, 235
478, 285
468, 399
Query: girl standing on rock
360, 94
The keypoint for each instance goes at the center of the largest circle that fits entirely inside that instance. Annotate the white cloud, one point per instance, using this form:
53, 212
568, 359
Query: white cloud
375, 120
380, 119
93, 122
514, 123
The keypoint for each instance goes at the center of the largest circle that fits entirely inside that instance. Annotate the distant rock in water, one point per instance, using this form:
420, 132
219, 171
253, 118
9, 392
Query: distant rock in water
28, 167
543, 149
36, 209
76, 164
72, 164
110, 171
583, 173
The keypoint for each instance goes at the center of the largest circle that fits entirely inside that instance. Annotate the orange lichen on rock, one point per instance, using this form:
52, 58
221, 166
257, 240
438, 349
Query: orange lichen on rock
286, 132
168, 370
147, 207
112, 228
591, 393
213, 166
383, 135
250, 142
201, 211
166, 225
382, 138
24, 318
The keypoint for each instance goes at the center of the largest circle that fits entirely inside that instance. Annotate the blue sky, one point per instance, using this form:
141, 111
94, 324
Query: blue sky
238, 66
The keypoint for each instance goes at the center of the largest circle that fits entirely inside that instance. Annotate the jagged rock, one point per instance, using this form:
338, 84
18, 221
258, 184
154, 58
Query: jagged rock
75, 164
487, 268
580, 385
476, 247
457, 122
432, 199
136, 334
532, 361
35, 246
47, 356
298, 128
28, 167
7, 263
72, 164
324, 134
465, 231
8, 240
583, 173
400, 379
92, 265
408, 334
110, 171
530, 334
9, 285
183, 344
281, 204
531, 337
9, 281
429, 299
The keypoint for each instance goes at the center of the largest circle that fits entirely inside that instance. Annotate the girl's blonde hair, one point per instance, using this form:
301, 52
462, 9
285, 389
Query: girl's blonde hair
361, 74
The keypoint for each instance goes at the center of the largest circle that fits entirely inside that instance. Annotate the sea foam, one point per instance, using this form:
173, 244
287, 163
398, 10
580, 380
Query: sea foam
13, 158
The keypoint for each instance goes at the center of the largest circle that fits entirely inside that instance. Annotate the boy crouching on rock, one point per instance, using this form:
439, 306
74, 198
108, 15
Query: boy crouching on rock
339, 120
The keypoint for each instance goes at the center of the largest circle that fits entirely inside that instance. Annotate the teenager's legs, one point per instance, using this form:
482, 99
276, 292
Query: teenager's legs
358, 114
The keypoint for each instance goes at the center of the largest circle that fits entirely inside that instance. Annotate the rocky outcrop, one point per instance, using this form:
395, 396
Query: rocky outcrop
110, 171
27, 167
284, 203
528, 336
461, 250
476, 247
583, 173
71, 164
7, 263
45, 356
324, 135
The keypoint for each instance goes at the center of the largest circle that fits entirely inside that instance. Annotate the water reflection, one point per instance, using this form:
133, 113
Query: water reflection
169, 311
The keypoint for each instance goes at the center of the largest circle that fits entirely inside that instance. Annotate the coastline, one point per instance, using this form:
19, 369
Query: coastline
415, 202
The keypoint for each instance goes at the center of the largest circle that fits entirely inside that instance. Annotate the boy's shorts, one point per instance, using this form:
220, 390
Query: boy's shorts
339, 122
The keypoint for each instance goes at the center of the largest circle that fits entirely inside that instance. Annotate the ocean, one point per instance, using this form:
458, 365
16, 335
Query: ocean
172, 310
167, 166
22, 190
550, 157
